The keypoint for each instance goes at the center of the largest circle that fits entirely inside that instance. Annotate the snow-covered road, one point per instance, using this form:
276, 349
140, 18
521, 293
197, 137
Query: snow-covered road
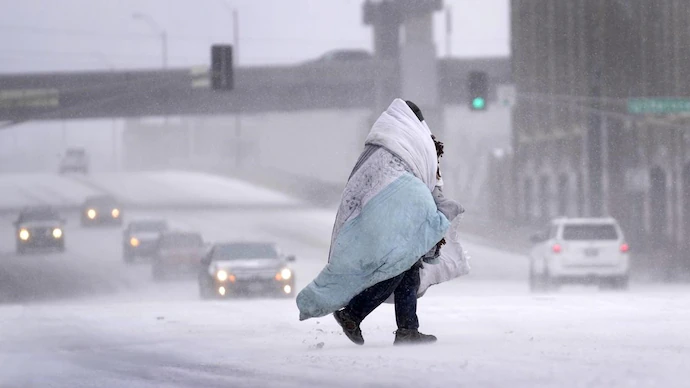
110, 326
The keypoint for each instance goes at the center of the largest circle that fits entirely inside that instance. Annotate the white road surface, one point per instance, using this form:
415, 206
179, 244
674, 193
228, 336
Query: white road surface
155, 188
85, 319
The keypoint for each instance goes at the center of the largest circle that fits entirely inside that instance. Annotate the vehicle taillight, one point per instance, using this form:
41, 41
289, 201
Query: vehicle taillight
556, 248
625, 248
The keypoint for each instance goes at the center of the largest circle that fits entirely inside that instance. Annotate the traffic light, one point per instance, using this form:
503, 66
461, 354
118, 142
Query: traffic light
478, 88
221, 67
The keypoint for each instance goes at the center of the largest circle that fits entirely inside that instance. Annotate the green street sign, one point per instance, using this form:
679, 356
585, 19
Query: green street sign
658, 105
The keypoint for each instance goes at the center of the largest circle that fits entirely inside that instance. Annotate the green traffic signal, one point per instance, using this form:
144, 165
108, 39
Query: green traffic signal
478, 103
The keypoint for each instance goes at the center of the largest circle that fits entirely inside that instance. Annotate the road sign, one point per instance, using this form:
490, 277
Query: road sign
29, 98
658, 105
201, 77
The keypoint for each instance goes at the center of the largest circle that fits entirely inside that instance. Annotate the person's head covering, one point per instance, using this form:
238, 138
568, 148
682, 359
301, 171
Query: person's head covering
415, 109
403, 133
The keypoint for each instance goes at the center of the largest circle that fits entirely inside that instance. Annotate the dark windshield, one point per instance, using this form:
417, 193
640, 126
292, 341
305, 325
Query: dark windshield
43, 214
244, 251
149, 226
181, 241
353, 55
101, 201
590, 232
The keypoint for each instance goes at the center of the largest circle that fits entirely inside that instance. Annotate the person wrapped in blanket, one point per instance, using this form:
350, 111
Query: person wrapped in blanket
390, 232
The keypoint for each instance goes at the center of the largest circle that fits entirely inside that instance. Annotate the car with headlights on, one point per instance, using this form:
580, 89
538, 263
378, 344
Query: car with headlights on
177, 253
246, 269
39, 227
140, 238
101, 210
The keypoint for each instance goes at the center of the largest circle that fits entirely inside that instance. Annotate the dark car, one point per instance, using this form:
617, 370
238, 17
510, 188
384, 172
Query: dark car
101, 210
39, 228
246, 268
140, 238
177, 253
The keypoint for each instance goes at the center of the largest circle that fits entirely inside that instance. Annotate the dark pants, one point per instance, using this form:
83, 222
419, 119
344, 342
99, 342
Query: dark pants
404, 289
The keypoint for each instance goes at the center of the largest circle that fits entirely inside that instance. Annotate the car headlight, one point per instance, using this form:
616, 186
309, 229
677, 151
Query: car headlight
115, 213
24, 234
57, 232
286, 274
134, 242
222, 275
91, 213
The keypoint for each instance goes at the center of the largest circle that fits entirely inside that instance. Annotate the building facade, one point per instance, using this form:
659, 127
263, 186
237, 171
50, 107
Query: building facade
578, 147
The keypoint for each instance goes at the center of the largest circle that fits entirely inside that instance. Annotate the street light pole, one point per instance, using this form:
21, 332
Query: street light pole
449, 30
236, 34
236, 60
159, 30
238, 114
164, 40
235, 31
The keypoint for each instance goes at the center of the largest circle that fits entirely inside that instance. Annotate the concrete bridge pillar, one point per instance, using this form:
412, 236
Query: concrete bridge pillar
416, 57
419, 69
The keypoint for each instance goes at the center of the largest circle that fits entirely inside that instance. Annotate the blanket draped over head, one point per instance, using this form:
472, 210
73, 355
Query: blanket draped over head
387, 217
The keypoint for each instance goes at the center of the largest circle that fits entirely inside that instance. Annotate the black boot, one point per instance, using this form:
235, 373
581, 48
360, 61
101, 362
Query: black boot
412, 337
350, 326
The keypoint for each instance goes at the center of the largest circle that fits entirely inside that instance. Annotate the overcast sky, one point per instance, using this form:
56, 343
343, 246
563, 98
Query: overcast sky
62, 35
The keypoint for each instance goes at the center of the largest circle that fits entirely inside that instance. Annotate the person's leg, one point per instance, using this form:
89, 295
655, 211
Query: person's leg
406, 300
368, 300
361, 305
406, 310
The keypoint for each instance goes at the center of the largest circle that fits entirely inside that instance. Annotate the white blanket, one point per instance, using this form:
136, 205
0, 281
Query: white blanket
401, 132
453, 262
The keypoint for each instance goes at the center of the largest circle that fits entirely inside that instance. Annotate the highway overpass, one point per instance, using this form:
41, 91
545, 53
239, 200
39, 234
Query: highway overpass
25, 97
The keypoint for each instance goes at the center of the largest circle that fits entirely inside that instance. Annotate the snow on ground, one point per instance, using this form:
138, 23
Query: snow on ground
159, 189
186, 188
492, 332
18, 190
575, 339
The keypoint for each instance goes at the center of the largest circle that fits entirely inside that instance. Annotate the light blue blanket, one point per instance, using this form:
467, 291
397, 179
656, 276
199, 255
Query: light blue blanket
394, 229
